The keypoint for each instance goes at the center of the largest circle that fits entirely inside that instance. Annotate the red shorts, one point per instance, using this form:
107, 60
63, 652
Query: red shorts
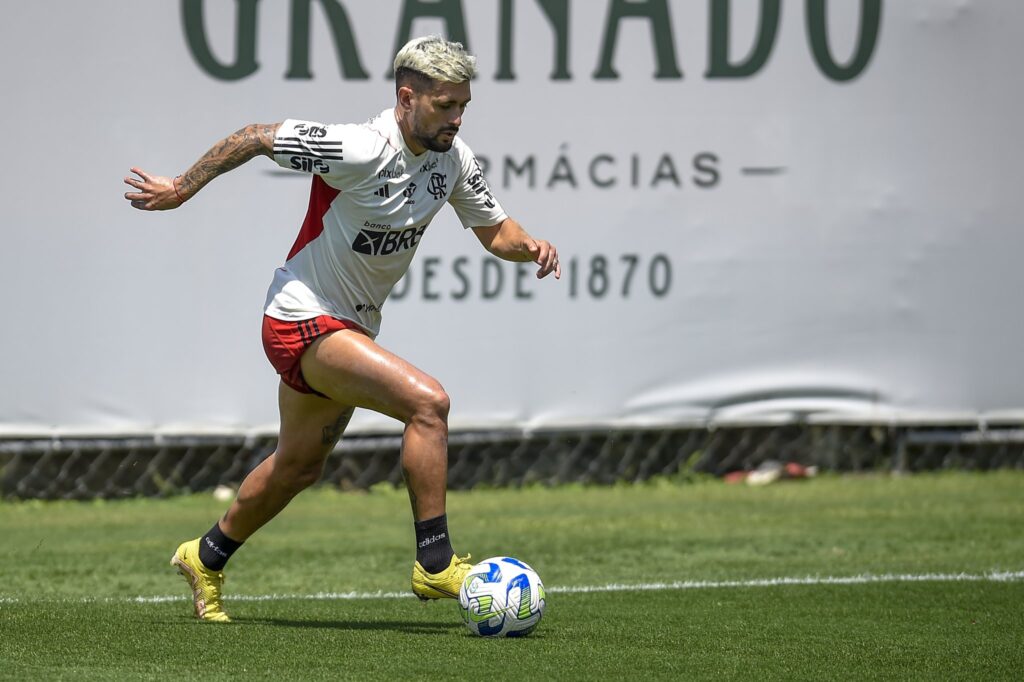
285, 342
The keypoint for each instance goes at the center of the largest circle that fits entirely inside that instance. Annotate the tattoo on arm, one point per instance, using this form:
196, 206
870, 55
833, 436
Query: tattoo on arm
228, 154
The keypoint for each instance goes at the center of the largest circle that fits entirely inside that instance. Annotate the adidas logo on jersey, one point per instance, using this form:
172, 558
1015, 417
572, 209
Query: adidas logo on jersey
384, 191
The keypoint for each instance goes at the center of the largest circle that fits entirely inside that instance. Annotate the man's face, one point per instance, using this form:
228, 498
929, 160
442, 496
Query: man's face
437, 114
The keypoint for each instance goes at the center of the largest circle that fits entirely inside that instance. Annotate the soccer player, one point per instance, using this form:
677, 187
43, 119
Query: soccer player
375, 188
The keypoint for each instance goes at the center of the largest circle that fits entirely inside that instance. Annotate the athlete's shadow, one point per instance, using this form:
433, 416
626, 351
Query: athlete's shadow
409, 627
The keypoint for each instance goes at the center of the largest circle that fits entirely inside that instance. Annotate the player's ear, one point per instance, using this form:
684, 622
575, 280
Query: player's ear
405, 97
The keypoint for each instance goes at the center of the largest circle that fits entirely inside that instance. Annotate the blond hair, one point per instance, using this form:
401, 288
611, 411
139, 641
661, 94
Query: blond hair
436, 58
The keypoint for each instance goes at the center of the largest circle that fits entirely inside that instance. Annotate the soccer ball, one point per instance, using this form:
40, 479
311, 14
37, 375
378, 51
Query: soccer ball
501, 597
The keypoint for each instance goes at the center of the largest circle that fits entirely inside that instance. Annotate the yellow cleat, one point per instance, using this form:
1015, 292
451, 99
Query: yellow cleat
205, 583
443, 585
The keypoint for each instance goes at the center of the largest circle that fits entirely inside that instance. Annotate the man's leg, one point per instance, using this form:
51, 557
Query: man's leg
310, 426
352, 369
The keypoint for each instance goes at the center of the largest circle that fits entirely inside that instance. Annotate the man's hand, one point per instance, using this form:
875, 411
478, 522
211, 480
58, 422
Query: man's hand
509, 241
156, 193
544, 254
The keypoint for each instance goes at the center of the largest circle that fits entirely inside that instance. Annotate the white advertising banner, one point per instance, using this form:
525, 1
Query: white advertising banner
765, 209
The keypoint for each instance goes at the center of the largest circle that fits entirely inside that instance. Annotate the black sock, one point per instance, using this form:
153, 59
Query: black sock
433, 546
215, 548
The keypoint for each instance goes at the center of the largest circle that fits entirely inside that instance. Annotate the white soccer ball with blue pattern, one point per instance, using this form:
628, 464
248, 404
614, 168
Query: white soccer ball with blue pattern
501, 597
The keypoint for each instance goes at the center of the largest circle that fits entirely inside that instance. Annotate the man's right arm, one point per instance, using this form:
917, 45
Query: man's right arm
157, 193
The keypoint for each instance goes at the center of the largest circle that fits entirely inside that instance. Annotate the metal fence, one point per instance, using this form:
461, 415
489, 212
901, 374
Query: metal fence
84, 468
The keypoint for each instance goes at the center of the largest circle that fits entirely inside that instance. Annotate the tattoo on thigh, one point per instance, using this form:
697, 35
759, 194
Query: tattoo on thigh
332, 432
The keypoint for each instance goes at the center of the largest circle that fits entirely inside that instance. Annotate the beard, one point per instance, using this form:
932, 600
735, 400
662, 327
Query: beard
436, 142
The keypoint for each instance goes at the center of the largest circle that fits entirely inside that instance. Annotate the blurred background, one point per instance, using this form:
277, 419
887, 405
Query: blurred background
790, 233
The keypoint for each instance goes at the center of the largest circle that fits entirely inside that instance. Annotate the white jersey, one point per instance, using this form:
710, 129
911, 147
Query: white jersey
370, 204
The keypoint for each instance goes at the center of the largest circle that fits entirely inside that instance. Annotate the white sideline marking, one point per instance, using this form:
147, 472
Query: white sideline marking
863, 579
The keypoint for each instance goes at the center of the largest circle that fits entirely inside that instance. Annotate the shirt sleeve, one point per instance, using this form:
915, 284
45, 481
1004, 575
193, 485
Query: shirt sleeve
471, 198
343, 153
309, 146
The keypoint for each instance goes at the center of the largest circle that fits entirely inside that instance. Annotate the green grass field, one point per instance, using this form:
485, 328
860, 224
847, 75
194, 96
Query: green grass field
74, 573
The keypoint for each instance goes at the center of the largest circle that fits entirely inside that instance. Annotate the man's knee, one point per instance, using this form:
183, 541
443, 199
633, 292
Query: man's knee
432, 407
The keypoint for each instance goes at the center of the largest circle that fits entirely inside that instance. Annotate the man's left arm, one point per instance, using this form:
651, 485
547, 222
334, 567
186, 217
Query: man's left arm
509, 241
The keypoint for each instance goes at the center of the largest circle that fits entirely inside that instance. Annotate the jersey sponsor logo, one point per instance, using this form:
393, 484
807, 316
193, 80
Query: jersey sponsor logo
390, 173
408, 192
311, 131
368, 307
384, 191
479, 185
385, 243
428, 166
438, 185
304, 163
376, 226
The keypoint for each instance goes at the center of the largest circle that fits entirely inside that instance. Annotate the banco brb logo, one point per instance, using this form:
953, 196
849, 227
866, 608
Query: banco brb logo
721, 45
387, 242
